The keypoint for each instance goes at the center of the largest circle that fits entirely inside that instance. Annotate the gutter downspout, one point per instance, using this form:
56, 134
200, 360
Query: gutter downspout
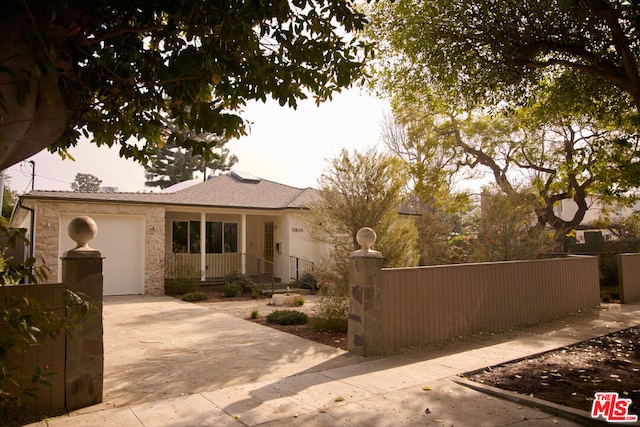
31, 228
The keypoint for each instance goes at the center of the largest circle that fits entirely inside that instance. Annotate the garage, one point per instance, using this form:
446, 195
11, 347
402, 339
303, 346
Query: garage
120, 240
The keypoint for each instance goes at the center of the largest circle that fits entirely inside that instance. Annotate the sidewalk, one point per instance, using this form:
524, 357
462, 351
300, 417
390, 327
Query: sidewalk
326, 387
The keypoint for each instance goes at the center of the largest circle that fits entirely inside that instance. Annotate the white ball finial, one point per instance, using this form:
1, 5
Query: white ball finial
82, 230
366, 237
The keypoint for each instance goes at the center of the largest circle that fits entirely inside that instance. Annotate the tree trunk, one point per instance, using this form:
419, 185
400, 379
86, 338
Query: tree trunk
33, 113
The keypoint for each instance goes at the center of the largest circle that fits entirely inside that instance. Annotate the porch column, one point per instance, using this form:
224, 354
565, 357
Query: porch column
243, 242
203, 246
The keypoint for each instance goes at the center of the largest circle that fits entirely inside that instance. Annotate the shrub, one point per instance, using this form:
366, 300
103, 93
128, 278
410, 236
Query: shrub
288, 317
298, 301
181, 280
180, 287
241, 279
256, 291
328, 325
195, 296
254, 314
308, 281
232, 289
334, 298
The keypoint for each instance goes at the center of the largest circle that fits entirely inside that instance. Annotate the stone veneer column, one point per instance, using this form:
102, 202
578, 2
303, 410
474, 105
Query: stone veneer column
364, 333
82, 272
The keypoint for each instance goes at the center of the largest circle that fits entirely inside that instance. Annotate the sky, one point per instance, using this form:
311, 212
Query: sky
287, 146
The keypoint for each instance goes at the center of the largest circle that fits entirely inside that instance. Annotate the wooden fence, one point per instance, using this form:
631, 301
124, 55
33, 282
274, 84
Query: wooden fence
429, 304
50, 355
76, 359
629, 277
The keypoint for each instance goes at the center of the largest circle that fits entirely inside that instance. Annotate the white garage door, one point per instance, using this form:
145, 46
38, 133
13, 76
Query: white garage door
120, 240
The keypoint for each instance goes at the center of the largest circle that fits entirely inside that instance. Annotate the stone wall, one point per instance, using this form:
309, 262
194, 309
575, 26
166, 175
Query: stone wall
48, 235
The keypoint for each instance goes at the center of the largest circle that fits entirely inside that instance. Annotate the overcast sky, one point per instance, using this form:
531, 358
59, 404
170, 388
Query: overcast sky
285, 145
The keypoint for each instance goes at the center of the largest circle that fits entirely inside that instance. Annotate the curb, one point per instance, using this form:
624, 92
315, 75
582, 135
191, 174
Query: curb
572, 414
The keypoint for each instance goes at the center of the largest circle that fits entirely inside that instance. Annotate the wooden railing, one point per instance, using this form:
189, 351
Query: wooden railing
298, 267
219, 265
181, 266
187, 266
260, 271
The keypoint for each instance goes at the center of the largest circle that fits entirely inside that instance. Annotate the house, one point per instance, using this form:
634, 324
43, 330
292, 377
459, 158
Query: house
599, 212
229, 222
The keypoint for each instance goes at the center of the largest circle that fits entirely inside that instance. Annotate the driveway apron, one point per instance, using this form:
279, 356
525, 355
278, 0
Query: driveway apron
157, 347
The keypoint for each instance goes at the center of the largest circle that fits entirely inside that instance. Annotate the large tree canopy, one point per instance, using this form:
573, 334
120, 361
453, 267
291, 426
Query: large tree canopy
502, 51
556, 157
121, 69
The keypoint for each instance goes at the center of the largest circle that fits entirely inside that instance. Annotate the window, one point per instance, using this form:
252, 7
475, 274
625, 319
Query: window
219, 237
214, 237
186, 237
230, 237
180, 236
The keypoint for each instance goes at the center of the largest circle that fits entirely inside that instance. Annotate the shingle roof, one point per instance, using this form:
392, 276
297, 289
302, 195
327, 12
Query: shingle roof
228, 191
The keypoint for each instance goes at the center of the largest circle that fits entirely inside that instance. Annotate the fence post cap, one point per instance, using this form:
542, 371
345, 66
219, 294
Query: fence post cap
82, 230
366, 237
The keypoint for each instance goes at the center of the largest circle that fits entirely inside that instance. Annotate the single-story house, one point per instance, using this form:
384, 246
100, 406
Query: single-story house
230, 222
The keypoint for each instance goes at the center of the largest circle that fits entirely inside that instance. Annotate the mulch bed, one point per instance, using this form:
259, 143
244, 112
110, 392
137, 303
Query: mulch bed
332, 338
572, 375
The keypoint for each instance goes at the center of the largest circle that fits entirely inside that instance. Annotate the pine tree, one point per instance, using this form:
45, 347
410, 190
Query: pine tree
171, 165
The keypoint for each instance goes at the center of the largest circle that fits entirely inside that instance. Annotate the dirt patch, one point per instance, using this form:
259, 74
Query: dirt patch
332, 338
572, 375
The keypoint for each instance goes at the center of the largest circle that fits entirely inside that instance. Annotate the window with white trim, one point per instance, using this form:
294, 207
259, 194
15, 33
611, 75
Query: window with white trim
219, 237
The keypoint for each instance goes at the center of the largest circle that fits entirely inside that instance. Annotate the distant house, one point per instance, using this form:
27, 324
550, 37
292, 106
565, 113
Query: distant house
598, 211
230, 222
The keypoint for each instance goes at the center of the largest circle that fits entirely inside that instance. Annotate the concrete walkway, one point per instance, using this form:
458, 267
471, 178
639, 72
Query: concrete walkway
169, 363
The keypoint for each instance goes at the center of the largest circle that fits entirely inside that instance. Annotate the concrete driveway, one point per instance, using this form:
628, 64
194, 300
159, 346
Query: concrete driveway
157, 347
170, 363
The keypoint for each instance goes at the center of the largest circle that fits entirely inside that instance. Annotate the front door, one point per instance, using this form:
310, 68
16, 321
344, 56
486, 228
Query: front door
268, 247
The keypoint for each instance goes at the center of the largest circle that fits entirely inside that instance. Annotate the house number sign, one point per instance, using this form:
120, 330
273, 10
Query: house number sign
297, 229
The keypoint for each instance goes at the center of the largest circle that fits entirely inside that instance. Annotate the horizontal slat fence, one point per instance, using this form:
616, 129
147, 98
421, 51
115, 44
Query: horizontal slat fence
429, 304
629, 277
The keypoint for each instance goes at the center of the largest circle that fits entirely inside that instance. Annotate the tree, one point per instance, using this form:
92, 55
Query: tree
444, 220
8, 200
504, 51
86, 182
171, 164
121, 71
509, 229
364, 189
359, 189
556, 155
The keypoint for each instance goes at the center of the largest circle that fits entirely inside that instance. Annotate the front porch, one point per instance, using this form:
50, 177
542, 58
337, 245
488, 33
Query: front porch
181, 266
216, 266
